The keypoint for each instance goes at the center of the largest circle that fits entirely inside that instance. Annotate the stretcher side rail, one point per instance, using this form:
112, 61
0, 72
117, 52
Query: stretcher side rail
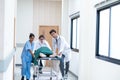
49, 58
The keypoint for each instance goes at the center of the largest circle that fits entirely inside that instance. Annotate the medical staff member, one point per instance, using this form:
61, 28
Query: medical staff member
41, 43
64, 51
26, 57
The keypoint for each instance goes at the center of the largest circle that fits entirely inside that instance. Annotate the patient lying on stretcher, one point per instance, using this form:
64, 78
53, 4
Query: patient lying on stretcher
41, 53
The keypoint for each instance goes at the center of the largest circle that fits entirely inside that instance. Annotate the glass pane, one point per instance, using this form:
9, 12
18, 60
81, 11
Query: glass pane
115, 32
104, 32
74, 34
78, 32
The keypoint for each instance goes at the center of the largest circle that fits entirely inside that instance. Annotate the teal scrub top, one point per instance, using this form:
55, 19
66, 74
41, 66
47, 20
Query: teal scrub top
26, 53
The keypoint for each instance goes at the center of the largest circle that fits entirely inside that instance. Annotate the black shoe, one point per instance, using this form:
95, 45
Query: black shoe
22, 78
34, 75
40, 72
27, 79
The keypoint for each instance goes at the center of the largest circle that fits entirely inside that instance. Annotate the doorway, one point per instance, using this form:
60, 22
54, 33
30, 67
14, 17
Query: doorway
44, 30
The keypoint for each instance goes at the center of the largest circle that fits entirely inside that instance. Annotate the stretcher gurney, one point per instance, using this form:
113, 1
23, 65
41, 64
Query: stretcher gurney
37, 75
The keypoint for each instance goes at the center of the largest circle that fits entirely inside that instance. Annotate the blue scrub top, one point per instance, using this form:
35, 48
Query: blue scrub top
26, 53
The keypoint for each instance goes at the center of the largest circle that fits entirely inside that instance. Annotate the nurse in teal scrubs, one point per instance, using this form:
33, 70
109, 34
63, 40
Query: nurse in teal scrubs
26, 57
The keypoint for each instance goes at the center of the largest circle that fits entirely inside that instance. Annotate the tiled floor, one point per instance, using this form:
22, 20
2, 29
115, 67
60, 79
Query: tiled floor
18, 75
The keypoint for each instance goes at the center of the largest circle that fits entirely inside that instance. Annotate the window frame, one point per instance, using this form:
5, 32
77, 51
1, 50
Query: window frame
98, 56
73, 17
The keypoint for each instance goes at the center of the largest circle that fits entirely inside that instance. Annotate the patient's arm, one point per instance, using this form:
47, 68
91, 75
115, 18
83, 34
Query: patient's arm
42, 55
32, 53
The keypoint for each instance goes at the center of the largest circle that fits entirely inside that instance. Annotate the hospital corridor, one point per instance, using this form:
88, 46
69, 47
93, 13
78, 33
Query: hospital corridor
59, 40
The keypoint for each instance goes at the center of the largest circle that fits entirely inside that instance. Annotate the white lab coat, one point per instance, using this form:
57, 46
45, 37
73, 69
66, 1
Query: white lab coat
62, 46
38, 44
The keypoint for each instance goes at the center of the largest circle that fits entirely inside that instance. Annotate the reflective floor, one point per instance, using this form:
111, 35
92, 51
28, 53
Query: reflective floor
42, 77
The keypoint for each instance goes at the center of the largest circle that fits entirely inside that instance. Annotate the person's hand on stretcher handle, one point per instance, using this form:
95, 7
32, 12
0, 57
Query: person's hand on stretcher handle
32, 53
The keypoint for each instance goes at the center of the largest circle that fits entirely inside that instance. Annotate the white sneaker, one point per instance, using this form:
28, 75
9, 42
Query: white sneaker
66, 76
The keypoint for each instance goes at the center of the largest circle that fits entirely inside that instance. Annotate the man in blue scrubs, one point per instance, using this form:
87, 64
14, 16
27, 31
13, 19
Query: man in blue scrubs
26, 57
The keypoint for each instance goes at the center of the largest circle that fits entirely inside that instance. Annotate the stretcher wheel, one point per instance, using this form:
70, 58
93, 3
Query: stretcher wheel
50, 78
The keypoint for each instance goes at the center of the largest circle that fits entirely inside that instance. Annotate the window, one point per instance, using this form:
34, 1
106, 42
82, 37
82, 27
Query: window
75, 24
108, 31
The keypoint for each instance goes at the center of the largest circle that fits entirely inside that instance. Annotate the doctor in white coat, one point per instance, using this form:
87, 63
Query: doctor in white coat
41, 42
64, 51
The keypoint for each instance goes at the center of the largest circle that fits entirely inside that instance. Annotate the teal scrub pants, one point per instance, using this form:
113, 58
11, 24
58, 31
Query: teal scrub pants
26, 68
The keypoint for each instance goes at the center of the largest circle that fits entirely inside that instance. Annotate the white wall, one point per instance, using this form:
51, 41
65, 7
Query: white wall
74, 8
8, 75
18, 55
24, 20
1, 76
90, 67
70, 7
7, 36
8, 27
65, 30
46, 12
1, 27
